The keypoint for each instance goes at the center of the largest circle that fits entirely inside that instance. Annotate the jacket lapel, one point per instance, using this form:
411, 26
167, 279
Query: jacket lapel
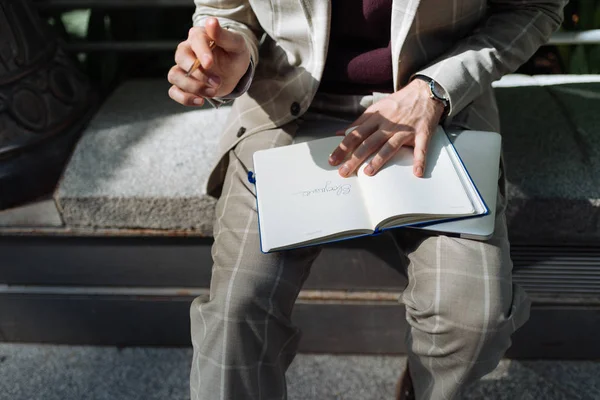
403, 14
318, 18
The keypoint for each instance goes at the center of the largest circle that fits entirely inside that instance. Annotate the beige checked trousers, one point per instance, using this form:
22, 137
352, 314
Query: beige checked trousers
461, 304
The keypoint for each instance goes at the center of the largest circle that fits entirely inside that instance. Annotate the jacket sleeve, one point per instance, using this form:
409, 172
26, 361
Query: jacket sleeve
238, 16
510, 34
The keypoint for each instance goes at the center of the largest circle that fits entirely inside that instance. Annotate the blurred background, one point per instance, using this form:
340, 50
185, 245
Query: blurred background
86, 29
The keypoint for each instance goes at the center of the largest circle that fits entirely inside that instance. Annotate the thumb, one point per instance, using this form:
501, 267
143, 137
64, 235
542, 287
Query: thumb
224, 38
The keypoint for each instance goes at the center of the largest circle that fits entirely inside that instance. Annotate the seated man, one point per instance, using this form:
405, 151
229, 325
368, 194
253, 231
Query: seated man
394, 69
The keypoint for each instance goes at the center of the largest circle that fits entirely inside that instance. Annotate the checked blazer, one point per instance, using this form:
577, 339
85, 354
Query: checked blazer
464, 45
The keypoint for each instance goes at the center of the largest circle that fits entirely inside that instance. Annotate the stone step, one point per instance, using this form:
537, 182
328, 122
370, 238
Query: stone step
143, 163
370, 264
107, 373
331, 323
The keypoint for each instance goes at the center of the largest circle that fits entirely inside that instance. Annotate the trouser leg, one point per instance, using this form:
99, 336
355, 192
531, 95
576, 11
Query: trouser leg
462, 308
243, 337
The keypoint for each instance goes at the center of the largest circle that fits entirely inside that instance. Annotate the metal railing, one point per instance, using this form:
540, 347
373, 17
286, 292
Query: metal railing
582, 37
560, 38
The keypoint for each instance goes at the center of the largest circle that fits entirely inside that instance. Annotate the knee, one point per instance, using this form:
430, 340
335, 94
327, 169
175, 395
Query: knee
469, 321
480, 312
488, 317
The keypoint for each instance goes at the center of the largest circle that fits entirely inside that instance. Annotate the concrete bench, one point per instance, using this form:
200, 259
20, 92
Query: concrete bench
136, 179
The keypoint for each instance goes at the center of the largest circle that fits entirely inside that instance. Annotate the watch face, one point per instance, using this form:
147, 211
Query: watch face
439, 91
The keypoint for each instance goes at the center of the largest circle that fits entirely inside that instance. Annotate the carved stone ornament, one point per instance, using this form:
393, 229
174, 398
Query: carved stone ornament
44, 103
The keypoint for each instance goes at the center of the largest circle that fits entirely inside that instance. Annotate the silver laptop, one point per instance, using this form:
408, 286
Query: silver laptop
480, 153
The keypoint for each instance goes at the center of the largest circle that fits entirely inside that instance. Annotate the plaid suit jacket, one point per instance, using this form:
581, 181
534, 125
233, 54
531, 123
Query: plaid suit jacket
464, 45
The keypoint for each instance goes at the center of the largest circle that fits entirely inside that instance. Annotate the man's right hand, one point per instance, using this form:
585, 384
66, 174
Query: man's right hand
220, 68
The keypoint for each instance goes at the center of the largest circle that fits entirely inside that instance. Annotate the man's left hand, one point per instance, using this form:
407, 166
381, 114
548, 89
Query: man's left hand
405, 118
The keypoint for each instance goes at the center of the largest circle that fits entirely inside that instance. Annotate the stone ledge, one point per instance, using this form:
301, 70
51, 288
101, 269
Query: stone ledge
41, 213
551, 135
144, 160
143, 163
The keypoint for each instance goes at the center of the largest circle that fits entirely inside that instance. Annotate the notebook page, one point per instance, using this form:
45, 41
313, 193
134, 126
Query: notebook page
394, 190
301, 197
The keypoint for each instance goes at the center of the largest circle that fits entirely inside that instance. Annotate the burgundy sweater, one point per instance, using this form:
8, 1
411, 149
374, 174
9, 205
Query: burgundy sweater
359, 58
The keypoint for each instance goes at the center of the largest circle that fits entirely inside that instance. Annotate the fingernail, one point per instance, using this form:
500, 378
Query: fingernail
198, 101
369, 169
332, 159
419, 171
344, 170
214, 81
205, 59
210, 92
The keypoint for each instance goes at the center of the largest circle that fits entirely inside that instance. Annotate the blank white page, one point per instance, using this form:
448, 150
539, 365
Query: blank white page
439, 192
301, 197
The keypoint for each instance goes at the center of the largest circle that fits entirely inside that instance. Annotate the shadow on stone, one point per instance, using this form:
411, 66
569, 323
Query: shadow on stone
511, 381
552, 153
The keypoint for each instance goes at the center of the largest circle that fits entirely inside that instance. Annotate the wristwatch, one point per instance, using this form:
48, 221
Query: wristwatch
437, 93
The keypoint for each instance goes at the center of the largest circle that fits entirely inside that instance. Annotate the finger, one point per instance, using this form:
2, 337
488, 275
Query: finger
420, 154
224, 38
187, 99
345, 132
193, 68
351, 142
199, 85
364, 150
387, 151
200, 45
185, 56
359, 121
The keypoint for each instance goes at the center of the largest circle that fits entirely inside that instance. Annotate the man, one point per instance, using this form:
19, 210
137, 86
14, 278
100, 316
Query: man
393, 69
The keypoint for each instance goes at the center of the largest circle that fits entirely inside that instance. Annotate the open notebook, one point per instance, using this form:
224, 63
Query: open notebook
303, 201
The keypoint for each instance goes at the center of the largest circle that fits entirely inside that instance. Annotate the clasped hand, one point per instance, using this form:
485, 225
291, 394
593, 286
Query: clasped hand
220, 68
407, 117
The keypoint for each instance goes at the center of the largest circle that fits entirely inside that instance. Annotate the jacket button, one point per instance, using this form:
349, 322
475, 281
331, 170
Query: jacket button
241, 131
295, 108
